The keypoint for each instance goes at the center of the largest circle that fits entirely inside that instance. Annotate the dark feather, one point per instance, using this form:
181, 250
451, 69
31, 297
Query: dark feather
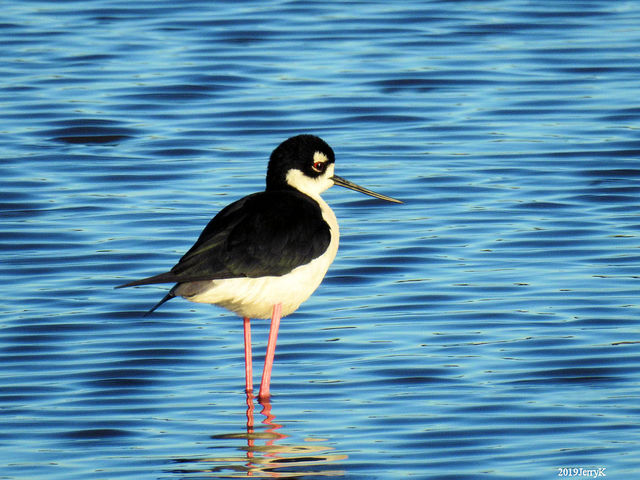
265, 234
167, 277
166, 298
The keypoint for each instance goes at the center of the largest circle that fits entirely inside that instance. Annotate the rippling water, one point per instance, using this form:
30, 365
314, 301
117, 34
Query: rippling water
488, 328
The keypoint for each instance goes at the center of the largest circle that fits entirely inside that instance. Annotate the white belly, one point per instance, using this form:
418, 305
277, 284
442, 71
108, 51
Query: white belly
255, 297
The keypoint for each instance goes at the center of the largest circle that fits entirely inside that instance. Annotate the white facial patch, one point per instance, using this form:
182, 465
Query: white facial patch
320, 157
311, 186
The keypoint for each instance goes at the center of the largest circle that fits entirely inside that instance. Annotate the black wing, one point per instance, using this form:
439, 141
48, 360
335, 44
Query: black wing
264, 234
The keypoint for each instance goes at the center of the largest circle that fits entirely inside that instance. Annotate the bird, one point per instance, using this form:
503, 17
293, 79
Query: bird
263, 255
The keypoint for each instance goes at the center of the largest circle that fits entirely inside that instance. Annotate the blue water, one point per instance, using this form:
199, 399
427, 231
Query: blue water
487, 328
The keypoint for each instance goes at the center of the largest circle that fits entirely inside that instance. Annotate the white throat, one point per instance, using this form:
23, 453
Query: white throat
311, 186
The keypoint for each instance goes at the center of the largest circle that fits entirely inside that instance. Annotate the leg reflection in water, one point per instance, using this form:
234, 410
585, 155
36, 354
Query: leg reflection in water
267, 452
270, 436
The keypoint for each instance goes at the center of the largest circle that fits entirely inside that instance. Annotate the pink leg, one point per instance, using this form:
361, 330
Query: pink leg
271, 351
248, 364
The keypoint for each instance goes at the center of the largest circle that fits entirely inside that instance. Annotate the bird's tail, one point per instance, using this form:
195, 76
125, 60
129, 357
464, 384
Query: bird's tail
166, 277
166, 298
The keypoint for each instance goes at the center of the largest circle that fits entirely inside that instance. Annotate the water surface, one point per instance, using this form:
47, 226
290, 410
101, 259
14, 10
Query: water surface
488, 328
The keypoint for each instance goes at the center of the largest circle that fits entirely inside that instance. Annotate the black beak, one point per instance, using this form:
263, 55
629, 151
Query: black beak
347, 184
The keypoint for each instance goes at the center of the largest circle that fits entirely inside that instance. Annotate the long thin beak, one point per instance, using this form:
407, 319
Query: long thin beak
347, 184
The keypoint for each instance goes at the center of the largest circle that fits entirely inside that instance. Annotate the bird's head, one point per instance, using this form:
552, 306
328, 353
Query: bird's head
306, 163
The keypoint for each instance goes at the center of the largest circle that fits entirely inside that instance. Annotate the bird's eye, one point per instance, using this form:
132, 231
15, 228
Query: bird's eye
319, 166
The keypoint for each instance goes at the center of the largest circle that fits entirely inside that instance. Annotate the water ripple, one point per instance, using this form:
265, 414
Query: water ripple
488, 326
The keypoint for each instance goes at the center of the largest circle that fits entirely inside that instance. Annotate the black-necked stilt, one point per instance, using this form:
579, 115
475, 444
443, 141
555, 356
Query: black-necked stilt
265, 254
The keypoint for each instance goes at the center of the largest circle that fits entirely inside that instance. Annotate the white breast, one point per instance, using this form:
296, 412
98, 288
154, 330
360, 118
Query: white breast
255, 297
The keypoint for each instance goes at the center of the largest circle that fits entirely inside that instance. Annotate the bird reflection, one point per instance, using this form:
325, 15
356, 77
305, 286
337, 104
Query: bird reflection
267, 453
269, 436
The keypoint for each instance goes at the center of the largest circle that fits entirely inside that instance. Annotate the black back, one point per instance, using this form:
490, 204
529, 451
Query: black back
265, 234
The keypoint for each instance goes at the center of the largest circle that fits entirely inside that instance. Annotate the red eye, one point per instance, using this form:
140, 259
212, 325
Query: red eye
319, 166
